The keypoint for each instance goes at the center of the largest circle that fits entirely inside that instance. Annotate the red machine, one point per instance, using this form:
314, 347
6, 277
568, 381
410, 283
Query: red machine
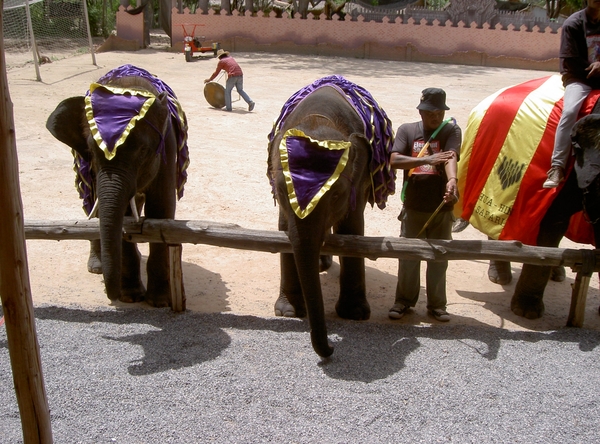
192, 44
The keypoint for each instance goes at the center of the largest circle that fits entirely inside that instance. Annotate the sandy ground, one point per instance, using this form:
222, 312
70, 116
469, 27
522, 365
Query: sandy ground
227, 183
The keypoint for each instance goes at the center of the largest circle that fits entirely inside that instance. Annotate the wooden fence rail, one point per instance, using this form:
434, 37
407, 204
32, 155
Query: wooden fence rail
177, 232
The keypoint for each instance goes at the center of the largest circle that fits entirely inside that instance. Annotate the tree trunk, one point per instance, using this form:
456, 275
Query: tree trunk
553, 8
15, 289
226, 6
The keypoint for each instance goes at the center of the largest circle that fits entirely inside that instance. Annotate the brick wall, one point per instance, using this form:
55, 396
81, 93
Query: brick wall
532, 48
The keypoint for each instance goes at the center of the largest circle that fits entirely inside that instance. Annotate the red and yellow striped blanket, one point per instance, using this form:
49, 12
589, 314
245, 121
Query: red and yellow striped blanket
505, 156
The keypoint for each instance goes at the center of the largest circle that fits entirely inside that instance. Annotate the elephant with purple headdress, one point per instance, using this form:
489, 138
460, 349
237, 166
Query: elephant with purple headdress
128, 136
328, 156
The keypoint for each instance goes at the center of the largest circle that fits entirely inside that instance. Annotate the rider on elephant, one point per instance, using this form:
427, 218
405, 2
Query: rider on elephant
428, 152
580, 68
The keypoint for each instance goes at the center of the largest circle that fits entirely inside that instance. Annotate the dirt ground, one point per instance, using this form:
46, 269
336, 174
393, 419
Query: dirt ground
227, 183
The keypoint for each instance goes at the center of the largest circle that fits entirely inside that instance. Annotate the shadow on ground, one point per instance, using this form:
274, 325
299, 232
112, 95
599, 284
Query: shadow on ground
363, 352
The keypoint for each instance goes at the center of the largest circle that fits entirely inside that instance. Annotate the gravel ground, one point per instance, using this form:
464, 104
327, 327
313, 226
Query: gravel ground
226, 370
152, 376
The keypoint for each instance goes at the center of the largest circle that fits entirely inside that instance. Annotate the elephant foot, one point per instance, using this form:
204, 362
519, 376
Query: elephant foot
133, 294
527, 307
159, 301
94, 264
356, 311
158, 294
325, 263
499, 272
558, 274
283, 307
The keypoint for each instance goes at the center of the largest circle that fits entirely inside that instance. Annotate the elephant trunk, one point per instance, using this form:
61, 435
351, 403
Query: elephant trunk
115, 190
306, 247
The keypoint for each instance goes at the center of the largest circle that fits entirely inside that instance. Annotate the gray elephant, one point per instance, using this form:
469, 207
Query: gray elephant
129, 140
502, 181
328, 156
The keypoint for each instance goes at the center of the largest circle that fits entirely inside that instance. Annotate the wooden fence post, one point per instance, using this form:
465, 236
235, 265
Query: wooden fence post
580, 289
176, 278
578, 298
15, 290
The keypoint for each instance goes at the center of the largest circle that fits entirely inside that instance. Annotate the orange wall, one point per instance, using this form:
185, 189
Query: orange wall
391, 41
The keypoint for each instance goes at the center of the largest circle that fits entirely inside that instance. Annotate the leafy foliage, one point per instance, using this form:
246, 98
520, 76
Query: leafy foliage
554, 8
436, 4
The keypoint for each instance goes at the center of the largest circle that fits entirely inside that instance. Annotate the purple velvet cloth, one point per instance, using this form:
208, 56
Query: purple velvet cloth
85, 181
310, 171
113, 112
377, 129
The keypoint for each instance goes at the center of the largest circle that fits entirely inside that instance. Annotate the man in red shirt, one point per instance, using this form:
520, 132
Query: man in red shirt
235, 77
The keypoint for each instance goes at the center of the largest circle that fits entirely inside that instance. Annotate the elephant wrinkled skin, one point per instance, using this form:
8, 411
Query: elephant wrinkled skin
144, 167
324, 115
506, 155
573, 197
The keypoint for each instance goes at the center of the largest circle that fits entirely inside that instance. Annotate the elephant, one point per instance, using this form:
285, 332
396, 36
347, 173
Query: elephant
328, 155
529, 213
527, 300
128, 136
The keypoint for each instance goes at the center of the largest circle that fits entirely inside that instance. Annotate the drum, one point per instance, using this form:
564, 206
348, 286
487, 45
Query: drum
214, 93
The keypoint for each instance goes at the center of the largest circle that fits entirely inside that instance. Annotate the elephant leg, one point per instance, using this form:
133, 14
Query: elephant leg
528, 300
499, 272
558, 274
291, 301
325, 262
352, 302
159, 289
94, 264
132, 288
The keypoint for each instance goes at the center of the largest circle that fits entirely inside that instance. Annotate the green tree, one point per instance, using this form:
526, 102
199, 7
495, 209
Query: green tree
435, 4
555, 7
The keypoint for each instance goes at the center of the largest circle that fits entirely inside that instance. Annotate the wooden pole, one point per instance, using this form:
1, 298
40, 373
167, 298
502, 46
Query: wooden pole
579, 294
578, 298
176, 278
177, 232
15, 290
234, 236
34, 48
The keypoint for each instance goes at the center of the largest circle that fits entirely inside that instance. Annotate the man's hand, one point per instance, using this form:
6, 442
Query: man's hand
441, 157
594, 70
451, 194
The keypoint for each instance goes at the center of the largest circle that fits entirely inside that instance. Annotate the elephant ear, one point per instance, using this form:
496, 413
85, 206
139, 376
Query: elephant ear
160, 116
67, 123
586, 142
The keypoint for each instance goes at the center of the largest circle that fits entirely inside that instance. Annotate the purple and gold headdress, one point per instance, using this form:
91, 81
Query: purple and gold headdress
305, 183
112, 113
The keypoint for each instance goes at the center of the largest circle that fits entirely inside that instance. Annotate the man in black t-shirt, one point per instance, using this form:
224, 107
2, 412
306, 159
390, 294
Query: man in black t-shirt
580, 68
428, 152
